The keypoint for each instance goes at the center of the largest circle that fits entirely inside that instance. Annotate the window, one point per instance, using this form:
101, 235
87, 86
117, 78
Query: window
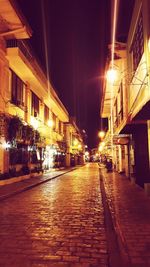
120, 103
116, 113
137, 47
46, 114
17, 90
35, 104
59, 127
54, 120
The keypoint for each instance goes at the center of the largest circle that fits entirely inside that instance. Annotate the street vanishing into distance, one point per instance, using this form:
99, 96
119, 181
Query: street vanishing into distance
58, 223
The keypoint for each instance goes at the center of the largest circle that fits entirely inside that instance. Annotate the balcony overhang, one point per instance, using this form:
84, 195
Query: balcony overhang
61, 113
26, 69
144, 112
12, 22
58, 106
132, 126
110, 87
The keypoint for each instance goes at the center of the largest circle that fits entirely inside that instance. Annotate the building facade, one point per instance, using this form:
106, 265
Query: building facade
126, 99
34, 124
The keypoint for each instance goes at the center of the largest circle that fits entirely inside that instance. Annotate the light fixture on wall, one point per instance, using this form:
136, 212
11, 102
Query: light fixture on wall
50, 123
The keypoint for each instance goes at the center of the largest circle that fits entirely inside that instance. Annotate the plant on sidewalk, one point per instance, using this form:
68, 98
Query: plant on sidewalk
14, 128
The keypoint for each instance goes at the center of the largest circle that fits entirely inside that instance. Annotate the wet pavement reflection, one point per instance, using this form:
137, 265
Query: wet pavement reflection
59, 223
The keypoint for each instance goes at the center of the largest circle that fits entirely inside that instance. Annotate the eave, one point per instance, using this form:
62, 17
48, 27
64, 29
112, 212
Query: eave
13, 23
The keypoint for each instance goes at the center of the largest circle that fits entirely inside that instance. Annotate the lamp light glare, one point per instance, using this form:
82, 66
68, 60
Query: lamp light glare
101, 134
6, 145
111, 75
34, 123
75, 142
79, 146
50, 123
100, 148
102, 144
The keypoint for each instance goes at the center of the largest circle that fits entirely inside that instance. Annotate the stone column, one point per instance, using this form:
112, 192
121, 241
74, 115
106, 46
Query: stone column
68, 142
27, 103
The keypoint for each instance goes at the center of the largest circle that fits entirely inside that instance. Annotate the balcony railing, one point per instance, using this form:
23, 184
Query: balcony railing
22, 46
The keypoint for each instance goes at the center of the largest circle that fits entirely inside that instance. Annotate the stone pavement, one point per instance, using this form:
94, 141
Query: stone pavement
130, 209
61, 222
57, 224
17, 187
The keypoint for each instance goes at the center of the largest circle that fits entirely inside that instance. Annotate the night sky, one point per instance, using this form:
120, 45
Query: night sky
77, 35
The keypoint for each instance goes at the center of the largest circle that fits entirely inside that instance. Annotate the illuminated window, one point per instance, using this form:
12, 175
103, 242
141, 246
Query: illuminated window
35, 105
17, 90
137, 47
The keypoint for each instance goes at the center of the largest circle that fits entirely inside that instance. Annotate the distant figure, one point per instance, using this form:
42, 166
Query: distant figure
109, 164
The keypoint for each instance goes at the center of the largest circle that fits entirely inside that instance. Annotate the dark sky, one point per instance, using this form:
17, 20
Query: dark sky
77, 34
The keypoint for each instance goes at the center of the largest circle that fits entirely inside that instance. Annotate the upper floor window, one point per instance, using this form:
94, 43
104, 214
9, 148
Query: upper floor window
17, 90
137, 47
59, 127
35, 105
120, 103
118, 106
116, 113
54, 121
46, 114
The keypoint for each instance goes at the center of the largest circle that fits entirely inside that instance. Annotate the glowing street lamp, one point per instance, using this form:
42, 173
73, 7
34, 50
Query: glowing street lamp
75, 142
111, 75
101, 134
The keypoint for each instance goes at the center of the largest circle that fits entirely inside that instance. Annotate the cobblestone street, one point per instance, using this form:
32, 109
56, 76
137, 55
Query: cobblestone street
59, 223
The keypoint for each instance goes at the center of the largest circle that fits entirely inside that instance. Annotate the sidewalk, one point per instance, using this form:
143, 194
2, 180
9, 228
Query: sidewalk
17, 187
130, 209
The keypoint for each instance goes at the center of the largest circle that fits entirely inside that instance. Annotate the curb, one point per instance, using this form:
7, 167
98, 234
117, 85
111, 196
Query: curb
120, 238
